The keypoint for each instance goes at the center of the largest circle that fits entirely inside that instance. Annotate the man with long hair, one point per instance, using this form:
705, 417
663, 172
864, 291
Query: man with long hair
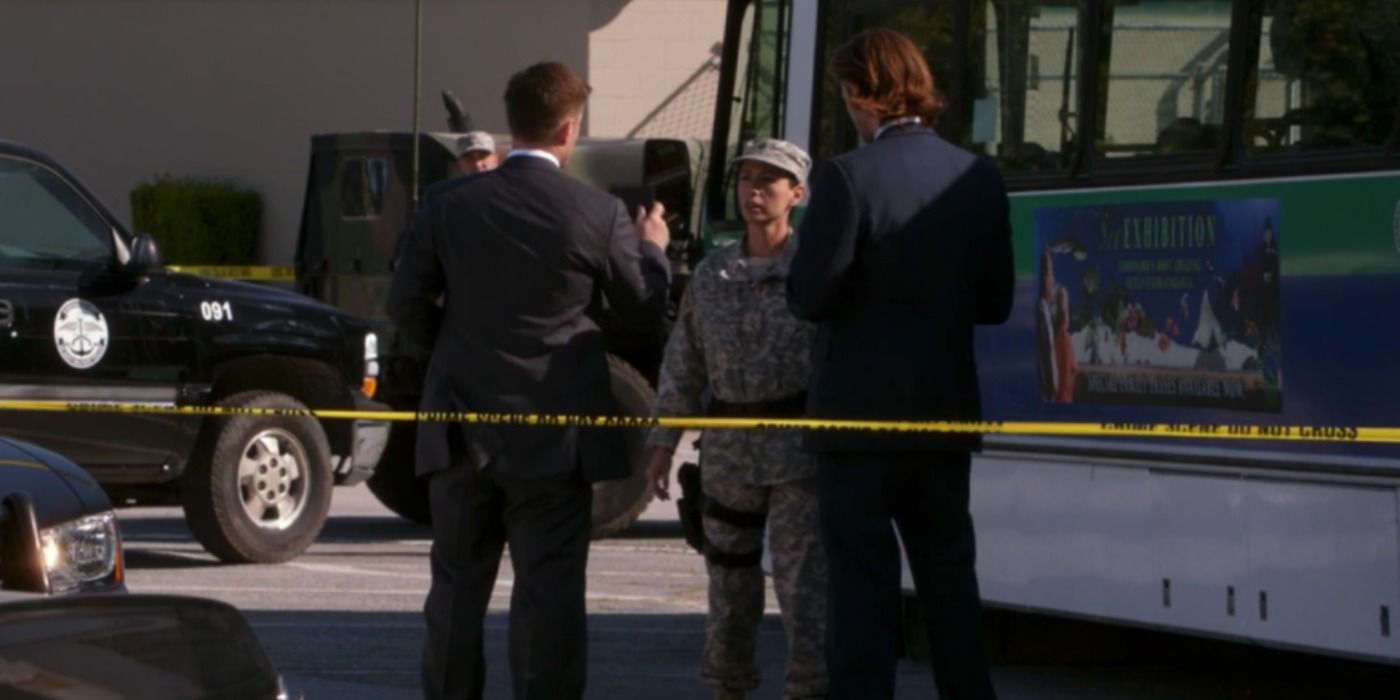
905, 247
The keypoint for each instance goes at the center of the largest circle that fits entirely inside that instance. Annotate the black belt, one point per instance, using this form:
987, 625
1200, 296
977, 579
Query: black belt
787, 407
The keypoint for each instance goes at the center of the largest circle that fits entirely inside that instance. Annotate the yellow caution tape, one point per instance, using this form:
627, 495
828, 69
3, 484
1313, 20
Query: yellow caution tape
1355, 434
261, 273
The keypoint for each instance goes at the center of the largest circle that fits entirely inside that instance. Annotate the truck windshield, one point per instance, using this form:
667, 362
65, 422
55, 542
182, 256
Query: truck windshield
44, 223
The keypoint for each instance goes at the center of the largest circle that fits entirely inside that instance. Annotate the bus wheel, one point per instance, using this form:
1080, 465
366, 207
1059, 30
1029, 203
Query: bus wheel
258, 487
617, 504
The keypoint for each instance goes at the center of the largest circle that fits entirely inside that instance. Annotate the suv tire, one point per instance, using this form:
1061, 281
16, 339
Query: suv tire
395, 482
258, 488
617, 504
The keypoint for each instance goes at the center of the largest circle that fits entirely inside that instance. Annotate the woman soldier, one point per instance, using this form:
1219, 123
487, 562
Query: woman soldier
736, 337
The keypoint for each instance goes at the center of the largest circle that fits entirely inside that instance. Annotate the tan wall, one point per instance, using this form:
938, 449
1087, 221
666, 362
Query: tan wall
122, 91
655, 69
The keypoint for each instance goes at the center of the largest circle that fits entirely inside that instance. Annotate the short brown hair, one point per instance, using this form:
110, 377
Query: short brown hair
888, 75
540, 98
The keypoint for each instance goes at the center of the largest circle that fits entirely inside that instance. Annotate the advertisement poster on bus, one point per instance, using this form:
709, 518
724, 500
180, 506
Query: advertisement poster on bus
1169, 304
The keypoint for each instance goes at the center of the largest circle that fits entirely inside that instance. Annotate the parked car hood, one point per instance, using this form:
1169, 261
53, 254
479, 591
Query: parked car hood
60, 490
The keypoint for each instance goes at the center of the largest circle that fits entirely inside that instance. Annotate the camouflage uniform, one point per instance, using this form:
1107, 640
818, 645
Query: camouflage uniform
736, 337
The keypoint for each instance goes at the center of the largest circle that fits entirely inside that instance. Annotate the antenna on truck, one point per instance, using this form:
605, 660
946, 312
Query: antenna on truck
457, 118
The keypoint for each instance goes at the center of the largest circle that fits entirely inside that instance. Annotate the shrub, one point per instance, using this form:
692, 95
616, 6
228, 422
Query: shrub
197, 222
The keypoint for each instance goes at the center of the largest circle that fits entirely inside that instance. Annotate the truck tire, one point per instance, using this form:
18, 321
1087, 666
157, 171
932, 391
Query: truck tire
258, 487
617, 504
395, 482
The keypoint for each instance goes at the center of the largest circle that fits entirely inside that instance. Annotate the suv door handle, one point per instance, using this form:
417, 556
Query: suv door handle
7, 314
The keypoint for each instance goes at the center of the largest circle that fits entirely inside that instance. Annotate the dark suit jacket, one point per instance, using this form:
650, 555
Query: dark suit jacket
905, 247
522, 252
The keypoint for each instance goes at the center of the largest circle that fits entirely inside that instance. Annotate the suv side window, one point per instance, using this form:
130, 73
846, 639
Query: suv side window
44, 223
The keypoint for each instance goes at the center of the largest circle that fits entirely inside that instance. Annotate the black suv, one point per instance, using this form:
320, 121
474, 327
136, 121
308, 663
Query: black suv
88, 313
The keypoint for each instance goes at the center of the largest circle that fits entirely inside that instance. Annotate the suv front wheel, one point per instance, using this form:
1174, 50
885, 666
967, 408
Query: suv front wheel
259, 487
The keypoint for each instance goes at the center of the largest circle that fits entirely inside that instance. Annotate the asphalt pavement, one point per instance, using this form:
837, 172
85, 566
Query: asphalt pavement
343, 621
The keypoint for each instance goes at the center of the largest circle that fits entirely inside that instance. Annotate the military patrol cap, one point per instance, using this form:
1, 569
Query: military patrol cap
780, 154
476, 141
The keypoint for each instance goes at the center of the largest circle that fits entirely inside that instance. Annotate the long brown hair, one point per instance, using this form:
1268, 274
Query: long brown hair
888, 76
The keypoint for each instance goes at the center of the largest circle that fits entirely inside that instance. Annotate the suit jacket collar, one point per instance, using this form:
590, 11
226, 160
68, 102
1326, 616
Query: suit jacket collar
529, 163
897, 122
902, 129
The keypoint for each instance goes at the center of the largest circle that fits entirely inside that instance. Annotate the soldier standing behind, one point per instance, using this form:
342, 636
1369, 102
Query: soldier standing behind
736, 337
476, 153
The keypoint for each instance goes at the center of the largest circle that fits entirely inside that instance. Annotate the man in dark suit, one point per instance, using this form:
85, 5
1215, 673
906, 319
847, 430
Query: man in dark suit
519, 256
905, 247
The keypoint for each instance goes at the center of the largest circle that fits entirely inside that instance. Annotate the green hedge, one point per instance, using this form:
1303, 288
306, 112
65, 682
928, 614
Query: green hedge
198, 222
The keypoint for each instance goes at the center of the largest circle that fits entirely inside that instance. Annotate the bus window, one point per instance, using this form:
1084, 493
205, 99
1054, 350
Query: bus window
1165, 86
1023, 88
928, 22
1328, 75
756, 111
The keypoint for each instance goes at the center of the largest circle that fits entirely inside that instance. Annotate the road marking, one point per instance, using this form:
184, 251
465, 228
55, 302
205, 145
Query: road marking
154, 537
188, 556
503, 589
509, 585
697, 629
650, 574
299, 590
355, 570
325, 540
361, 571
653, 549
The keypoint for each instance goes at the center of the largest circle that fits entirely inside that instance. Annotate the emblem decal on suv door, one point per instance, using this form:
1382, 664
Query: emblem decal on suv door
80, 333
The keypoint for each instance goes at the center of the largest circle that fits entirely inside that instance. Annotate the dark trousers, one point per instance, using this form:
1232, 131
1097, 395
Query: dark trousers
546, 522
926, 496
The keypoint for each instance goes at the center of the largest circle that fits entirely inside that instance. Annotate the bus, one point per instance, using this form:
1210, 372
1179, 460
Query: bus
1206, 210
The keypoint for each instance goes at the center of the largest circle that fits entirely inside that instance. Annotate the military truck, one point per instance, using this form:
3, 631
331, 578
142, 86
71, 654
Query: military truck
88, 314
358, 202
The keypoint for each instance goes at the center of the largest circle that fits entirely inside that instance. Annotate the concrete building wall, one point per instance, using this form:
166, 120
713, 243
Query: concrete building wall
655, 69
123, 90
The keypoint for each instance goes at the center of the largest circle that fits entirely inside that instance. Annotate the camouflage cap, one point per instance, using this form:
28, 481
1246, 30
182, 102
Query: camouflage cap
476, 141
780, 154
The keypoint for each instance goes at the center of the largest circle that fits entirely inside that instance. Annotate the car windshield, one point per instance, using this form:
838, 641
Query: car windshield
129, 647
